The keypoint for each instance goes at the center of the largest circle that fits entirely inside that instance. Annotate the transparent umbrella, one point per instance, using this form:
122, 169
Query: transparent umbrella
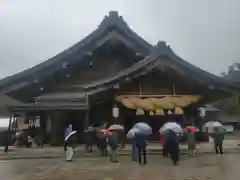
143, 128
131, 133
116, 127
209, 127
171, 126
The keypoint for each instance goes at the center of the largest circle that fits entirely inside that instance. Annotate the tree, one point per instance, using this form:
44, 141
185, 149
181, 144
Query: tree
231, 105
6, 101
233, 73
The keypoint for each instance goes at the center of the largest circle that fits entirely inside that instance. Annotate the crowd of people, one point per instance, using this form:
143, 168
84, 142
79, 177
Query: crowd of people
19, 138
108, 143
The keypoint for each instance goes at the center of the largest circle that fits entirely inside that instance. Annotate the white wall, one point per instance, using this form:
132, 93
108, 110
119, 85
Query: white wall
4, 122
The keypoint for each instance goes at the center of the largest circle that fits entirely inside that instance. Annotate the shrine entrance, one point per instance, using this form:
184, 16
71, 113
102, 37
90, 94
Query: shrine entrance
154, 111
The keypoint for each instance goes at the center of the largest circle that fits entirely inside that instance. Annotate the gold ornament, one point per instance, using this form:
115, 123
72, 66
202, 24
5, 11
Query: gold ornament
185, 100
169, 112
128, 103
145, 104
151, 113
178, 111
140, 111
164, 103
159, 112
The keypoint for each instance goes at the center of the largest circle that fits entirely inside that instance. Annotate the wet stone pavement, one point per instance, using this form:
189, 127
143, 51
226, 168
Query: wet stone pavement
201, 167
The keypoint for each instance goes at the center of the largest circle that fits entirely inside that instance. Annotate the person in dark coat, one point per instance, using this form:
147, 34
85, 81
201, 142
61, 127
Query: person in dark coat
164, 140
39, 137
89, 134
122, 139
218, 141
172, 146
6, 140
29, 141
102, 143
134, 151
113, 141
141, 144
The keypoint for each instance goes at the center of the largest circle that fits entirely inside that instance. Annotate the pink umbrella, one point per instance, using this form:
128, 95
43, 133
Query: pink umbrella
191, 129
105, 132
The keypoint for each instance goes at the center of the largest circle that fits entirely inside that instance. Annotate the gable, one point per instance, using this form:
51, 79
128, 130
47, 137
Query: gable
113, 28
163, 57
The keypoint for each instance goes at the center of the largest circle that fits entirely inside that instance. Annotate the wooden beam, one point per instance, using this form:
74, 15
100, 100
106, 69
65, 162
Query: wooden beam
128, 95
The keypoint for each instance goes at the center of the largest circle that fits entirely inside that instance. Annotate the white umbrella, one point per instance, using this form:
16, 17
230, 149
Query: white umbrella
131, 132
116, 127
69, 135
210, 126
90, 129
143, 128
171, 126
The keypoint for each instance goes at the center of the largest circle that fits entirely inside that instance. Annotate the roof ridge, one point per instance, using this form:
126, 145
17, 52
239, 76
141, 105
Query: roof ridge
188, 65
111, 19
152, 61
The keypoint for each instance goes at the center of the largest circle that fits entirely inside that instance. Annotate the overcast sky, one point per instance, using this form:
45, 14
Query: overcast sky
203, 32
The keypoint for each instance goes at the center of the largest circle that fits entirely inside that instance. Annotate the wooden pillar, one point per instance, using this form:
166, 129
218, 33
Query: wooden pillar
56, 137
10, 123
87, 114
86, 120
47, 130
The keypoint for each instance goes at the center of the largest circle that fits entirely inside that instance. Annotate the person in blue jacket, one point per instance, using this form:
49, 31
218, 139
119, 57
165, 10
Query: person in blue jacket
141, 144
134, 150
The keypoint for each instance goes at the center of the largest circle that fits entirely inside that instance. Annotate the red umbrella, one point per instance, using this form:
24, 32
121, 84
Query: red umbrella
105, 132
162, 139
191, 129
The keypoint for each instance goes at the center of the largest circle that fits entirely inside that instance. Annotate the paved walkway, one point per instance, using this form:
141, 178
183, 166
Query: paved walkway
230, 146
201, 167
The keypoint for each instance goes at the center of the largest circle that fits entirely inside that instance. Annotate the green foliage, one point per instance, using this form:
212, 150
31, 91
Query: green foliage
6, 101
3, 107
229, 105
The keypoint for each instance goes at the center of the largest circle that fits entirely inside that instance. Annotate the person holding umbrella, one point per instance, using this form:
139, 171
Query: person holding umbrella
141, 143
113, 141
140, 140
218, 140
89, 135
163, 142
130, 135
172, 146
191, 140
171, 130
67, 131
71, 142
102, 141
217, 130
6, 140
